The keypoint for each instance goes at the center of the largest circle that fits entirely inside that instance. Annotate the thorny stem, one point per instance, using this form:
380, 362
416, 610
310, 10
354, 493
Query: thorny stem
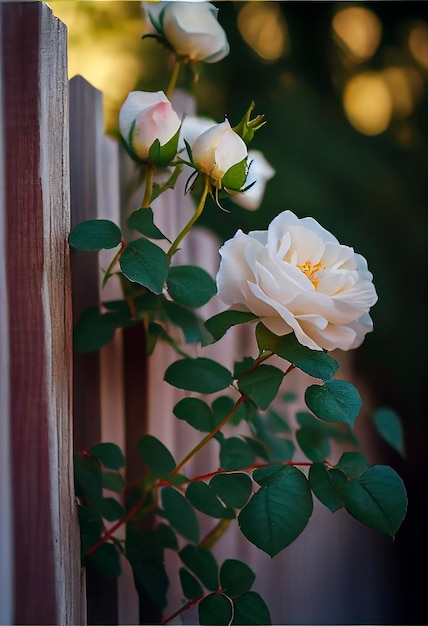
208, 437
149, 186
174, 77
181, 610
189, 225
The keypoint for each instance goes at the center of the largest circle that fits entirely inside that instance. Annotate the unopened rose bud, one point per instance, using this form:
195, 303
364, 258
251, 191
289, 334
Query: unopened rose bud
150, 126
191, 29
221, 154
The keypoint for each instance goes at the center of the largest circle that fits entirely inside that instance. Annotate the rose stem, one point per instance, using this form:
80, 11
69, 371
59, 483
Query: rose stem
196, 215
208, 437
149, 187
174, 77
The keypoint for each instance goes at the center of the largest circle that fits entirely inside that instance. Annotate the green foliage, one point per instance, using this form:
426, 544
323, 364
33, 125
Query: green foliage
261, 385
200, 374
179, 513
204, 498
388, 425
236, 577
234, 489
109, 454
202, 564
313, 362
141, 220
189, 285
145, 263
219, 324
95, 329
95, 235
215, 610
155, 456
250, 608
334, 401
279, 511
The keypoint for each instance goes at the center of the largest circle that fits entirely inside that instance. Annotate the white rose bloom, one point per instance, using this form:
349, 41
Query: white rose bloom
154, 119
260, 171
297, 278
191, 28
217, 150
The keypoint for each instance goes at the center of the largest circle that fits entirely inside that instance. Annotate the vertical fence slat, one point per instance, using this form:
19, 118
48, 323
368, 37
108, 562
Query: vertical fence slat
46, 541
86, 172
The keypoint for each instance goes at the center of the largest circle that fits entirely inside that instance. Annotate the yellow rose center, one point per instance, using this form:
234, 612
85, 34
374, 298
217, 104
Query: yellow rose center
310, 270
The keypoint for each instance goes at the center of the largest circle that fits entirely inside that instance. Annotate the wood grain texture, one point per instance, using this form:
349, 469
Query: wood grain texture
46, 548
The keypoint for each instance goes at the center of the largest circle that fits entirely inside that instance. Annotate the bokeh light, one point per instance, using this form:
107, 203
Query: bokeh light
263, 27
418, 43
358, 31
368, 103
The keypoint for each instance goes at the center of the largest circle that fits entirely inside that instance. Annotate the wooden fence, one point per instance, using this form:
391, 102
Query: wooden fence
57, 169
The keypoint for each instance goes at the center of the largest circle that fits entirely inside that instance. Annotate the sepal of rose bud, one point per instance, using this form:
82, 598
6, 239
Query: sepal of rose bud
260, 172
247, 127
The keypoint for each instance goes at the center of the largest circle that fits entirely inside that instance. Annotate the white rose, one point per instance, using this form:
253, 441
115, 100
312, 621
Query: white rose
146, 116
192, 127
260, 171
297, 278
191, 28
218, 149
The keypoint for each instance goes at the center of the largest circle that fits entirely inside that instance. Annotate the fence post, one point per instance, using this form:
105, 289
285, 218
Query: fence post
47, 573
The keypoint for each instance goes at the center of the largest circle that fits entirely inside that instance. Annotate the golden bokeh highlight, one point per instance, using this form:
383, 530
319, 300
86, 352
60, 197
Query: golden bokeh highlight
368, 103
405, 86
358, 30
108, 57
418, 43
264, 28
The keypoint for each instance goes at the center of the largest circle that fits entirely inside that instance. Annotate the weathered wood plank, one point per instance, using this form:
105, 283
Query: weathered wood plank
88, 178
47, 579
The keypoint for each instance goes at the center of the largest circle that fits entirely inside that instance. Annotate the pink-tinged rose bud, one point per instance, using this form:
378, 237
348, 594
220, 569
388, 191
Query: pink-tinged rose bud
296, 277
144, 117
191, 28
217, 150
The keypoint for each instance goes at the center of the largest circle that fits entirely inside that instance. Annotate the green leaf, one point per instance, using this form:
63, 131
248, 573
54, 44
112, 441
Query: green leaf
279, 511
143, 262
186, 320
277, 423
88, 478
156, 456
196, 413
235, 454
215, 610
145, 553
167, 536
202, 563
377, 499
105, 559
141, 220
111, 510
94, 329
234, 489
354, 464
203, 498
90, 522
190, 285
250, 608
190, 585
109, 454
113, 481
323, 488
261, 385
313, 444
180, 514
334, 401
388, 425
95, 235
236, 577
200, 374
316, 363
220, 323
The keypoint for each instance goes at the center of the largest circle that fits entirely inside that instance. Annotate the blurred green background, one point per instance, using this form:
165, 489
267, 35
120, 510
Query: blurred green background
344, 87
